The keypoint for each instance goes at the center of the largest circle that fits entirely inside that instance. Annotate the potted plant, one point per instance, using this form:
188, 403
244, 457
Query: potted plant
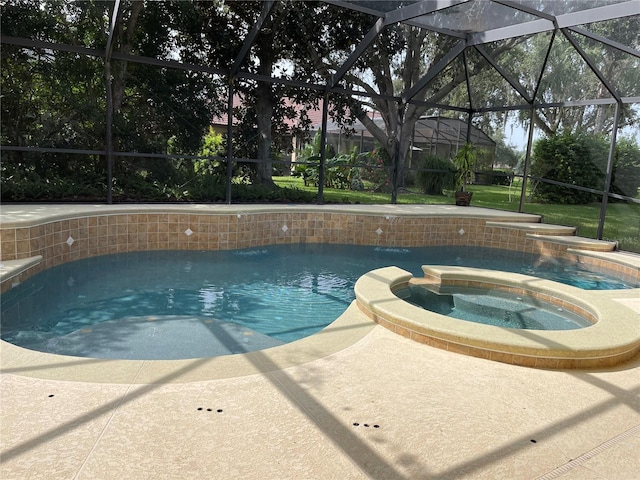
464, 162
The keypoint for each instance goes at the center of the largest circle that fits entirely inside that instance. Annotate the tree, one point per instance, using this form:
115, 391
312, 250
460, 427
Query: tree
51, 99
57, 99
567, 76
506, 154
394, 63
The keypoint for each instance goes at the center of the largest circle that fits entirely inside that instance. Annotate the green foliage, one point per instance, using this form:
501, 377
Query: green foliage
243, 193
567, 75
626, 174
33, 176
570, 159
377, 167
58, 99
506, 154
464, 161
212, 146
308, 161
501, 177
582, 160
343, 171
338, 173
435, 175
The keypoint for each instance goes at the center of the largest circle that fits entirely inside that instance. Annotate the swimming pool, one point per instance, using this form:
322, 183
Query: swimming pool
191, 304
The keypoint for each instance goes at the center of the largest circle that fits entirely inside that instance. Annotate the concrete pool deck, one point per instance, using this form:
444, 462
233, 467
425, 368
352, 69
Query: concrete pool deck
421, 412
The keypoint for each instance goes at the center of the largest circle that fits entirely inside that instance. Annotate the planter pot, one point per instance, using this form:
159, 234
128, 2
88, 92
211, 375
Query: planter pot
463, 199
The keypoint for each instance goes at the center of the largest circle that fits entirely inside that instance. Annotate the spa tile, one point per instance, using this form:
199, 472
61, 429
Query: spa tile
525, 361
501, 357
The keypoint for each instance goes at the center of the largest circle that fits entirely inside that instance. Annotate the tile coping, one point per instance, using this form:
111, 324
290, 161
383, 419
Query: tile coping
13, 268
536, 227
31, 215
585, 243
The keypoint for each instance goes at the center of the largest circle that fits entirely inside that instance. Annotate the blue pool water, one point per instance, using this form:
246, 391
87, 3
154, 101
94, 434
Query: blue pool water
185, 304
494, 308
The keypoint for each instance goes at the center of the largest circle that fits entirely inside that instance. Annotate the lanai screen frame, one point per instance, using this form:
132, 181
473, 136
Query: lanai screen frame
566, 24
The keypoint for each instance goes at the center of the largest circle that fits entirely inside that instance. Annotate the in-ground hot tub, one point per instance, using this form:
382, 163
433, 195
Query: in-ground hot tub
492, 307
613, 336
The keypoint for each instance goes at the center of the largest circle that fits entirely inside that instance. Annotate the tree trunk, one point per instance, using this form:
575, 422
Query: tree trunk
264, 103
387, 137
123, 42
403, 152
264, 114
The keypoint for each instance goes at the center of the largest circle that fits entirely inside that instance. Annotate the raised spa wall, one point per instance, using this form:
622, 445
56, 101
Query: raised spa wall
612, 339
46, 242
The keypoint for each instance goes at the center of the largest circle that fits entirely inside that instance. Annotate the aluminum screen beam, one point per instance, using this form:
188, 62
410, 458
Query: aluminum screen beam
437, 68
419, 9
31, 43
112, 28
599, 14
606, 41
168, 63
514, 84
354, 6
109, 100
248, 41
524, 8
609, 173
574, 19
395, 16
504, 33
592, 65
357, 53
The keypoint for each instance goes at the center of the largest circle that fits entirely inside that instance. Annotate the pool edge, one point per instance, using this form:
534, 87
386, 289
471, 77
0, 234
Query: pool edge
346, 330
612, 340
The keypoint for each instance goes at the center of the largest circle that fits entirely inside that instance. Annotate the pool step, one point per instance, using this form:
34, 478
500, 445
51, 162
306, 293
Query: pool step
580, 243
535, 228
558, 234
12, 268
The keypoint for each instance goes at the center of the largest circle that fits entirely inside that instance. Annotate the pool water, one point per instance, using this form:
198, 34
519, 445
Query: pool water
494, 308
189, 304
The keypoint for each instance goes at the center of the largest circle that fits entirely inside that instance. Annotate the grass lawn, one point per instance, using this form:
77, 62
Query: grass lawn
622, 221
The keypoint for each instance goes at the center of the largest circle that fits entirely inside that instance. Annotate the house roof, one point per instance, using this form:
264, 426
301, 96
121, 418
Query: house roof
429, 130
314, 114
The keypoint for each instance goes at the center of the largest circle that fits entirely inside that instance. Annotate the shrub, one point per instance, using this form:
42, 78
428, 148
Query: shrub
570, 159
582, 160
626, 173
502, 177
376, 171
434, 175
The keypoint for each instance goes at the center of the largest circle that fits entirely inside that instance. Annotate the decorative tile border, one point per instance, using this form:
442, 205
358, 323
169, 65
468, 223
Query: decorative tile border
63, 240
